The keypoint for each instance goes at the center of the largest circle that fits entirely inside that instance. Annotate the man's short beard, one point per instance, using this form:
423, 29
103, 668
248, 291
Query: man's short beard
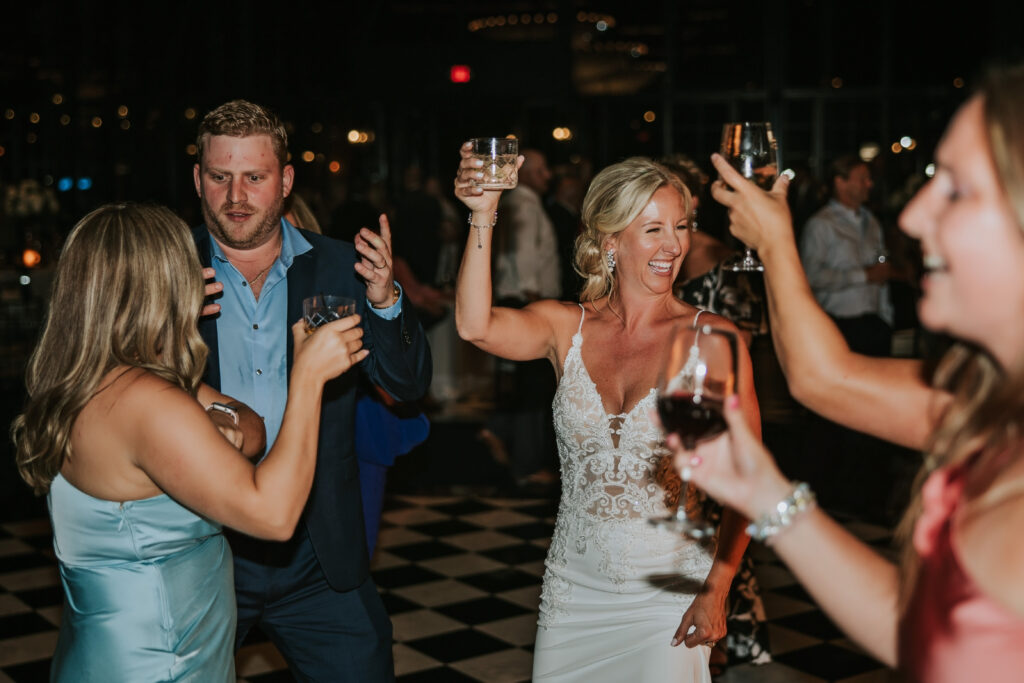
271, 222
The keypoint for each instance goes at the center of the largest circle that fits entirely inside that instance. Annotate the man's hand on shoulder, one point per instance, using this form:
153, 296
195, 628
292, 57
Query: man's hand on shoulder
213, 288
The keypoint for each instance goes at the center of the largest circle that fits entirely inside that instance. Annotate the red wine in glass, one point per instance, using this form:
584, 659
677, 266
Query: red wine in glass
697, 373
692, 416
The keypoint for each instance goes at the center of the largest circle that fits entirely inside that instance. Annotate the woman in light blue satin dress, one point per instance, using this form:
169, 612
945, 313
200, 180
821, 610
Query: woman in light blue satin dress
138, 476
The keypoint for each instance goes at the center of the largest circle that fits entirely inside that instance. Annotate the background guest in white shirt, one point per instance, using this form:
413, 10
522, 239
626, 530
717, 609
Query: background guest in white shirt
844, 253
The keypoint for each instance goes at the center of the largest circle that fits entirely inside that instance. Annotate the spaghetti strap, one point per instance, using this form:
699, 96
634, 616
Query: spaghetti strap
583, 314
695, 318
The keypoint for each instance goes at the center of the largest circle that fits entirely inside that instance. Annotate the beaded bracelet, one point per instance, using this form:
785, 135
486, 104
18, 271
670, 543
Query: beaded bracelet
479, 244
800, 499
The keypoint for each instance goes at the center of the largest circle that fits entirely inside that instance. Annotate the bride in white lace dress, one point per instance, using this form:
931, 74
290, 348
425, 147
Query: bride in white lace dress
621, 600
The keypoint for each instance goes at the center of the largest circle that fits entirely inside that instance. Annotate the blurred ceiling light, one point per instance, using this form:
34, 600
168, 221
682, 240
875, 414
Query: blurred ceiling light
65, 119
97, 122
8, 114
929, 170
190, 113
562, 134
31, 258
353, 136
122, 111
896, 148
57, 98
649, 116
334, 167
958, 82
191, 149
125, 124
308, 156
317, 127
33, 117
837, 82
869, 150
2, 150
31, 138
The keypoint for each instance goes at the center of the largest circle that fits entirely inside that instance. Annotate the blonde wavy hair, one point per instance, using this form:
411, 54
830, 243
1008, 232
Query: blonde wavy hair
127, 292
615, 197
985, 415
242, 119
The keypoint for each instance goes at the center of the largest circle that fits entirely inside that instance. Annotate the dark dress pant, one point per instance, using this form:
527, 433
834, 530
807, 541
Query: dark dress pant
325, 635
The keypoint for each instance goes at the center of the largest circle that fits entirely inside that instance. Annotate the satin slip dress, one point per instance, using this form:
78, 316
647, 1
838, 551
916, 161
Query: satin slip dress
149, 591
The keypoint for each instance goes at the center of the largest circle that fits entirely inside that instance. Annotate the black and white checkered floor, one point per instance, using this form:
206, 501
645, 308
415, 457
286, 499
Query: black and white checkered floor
460, 576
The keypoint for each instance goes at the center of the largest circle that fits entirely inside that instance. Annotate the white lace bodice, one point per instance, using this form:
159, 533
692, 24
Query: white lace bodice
601, 479
608, 493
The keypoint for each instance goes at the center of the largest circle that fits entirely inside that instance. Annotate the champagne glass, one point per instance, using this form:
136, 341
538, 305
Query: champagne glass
697, 374
752, 149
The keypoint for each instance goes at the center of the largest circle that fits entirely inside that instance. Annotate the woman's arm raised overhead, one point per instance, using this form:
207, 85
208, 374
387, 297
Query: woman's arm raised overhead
887, 397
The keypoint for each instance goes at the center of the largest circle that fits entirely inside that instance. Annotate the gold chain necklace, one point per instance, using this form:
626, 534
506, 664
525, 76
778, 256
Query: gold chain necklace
260, 274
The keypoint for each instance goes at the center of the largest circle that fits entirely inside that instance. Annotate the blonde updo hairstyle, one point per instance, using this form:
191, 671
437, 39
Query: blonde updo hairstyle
615, 197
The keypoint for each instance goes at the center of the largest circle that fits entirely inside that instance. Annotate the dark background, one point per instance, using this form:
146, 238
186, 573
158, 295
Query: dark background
831, 76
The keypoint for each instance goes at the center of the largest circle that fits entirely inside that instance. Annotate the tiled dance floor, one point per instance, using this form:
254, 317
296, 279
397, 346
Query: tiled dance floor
460, 576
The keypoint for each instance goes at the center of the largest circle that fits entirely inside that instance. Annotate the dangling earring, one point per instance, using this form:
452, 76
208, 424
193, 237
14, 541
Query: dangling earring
693, 222
610, 260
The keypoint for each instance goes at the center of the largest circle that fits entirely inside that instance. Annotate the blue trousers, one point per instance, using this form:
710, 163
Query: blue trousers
325, 635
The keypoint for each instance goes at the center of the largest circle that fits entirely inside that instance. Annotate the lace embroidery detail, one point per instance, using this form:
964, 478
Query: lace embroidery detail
608, 490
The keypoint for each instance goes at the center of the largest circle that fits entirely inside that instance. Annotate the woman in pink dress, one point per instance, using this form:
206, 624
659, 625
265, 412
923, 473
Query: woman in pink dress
953, 610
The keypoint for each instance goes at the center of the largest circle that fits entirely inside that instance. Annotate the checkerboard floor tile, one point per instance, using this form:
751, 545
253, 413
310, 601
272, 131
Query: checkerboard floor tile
460, 577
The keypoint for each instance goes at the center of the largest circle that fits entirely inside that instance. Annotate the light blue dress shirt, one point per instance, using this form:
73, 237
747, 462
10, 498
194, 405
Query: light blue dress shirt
252, 335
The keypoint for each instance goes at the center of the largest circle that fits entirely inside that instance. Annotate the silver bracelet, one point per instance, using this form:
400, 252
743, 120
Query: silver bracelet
800, 499
479, 244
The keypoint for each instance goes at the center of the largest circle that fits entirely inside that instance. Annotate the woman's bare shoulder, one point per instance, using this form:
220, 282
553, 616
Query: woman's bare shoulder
988, 540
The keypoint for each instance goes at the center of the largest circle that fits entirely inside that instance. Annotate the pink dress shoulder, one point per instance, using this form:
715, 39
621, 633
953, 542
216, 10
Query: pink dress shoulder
952, 631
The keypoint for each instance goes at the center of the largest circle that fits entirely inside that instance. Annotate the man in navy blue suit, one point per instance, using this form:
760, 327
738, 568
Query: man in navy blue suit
312, 595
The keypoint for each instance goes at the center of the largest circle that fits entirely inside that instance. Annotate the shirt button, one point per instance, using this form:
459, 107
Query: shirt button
258, 371
244, 283
255, 326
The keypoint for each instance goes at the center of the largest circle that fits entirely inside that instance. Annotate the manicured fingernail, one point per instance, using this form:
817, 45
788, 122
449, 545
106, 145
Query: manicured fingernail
733, 402
675, 641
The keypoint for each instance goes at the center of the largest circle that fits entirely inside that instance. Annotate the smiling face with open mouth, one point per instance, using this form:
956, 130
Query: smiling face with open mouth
973, 287
651, 248
242, 188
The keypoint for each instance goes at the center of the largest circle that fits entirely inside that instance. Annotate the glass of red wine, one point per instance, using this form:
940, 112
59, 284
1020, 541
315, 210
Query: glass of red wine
697, 374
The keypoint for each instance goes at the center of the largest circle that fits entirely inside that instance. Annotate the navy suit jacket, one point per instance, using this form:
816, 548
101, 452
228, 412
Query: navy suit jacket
399, 361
